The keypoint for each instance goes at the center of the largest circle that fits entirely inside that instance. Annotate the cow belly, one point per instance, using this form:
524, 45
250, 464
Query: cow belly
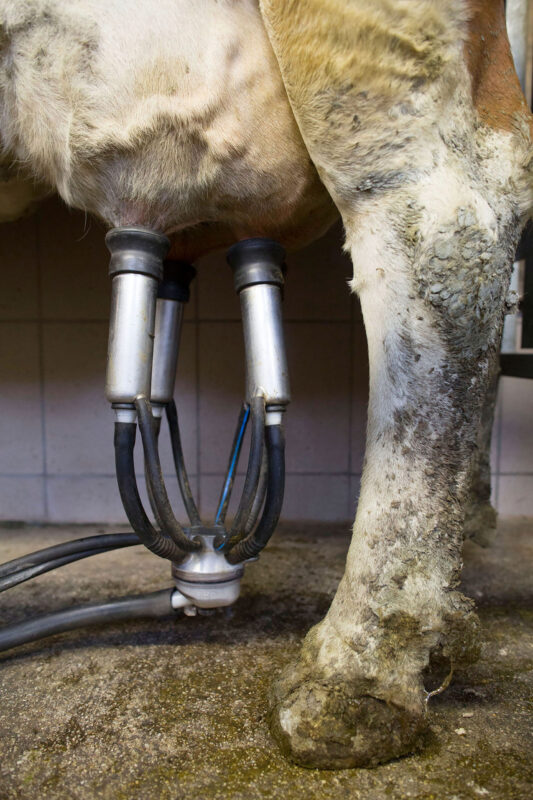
170, 114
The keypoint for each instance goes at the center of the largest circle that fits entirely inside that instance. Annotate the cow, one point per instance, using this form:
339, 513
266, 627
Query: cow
213, 122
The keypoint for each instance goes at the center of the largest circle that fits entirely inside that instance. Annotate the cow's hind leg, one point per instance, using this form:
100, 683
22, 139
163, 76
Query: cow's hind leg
432, 198
433, 320
356, 696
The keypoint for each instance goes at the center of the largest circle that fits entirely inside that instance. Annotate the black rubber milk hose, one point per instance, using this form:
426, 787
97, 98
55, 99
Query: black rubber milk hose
125, 433
155, 604
104, 541
154, 475
256, 541
179, 463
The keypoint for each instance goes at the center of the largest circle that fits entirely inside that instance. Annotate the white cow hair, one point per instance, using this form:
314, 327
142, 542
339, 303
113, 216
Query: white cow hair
166, 119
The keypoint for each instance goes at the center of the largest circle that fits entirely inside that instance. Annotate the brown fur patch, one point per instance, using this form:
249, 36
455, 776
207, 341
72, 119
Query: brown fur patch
496, 90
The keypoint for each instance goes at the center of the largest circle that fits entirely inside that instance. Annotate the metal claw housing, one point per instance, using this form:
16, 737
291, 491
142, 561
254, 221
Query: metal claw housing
148, 303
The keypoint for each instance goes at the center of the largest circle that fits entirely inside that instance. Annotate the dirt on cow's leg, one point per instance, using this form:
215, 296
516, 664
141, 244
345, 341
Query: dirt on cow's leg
432, 195
433, 316
480, 514
357, 696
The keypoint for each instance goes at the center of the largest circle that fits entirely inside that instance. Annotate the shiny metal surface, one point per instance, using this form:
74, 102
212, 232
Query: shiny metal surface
206, 565
177, 600
168, 320
209, 595
131, 337
204, 577
266, 361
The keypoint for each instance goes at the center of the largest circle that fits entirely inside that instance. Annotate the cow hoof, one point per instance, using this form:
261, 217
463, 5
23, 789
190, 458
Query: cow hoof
325, 725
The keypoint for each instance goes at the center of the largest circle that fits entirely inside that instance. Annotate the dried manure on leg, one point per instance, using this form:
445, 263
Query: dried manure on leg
433, 198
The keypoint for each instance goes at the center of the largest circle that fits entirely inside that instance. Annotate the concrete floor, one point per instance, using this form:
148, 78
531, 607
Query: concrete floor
175, 709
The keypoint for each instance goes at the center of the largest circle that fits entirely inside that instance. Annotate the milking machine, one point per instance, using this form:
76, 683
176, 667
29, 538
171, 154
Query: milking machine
149, 296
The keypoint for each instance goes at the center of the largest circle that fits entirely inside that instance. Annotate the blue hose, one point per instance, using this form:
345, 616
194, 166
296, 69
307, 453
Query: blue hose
226, 491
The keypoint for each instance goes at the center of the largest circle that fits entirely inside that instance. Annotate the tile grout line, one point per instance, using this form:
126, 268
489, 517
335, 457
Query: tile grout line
171, 474
40, 335
514, 474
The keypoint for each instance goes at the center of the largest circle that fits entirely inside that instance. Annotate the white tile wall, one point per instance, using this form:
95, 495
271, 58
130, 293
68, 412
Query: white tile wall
19, 298
56, 453
221, 387
318, 419
512, 452
78, 420
516, 442
20, 399
73, 259
22, 497
84, 498
320, 498
515, 494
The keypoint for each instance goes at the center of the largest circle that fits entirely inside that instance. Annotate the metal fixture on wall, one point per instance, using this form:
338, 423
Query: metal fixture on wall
516, 358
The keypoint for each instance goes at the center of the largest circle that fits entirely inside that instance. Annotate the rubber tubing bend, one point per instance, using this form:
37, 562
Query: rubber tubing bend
254, 543
155, 541
179, 463
260, 495
153, 505
238, 528
154, 475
